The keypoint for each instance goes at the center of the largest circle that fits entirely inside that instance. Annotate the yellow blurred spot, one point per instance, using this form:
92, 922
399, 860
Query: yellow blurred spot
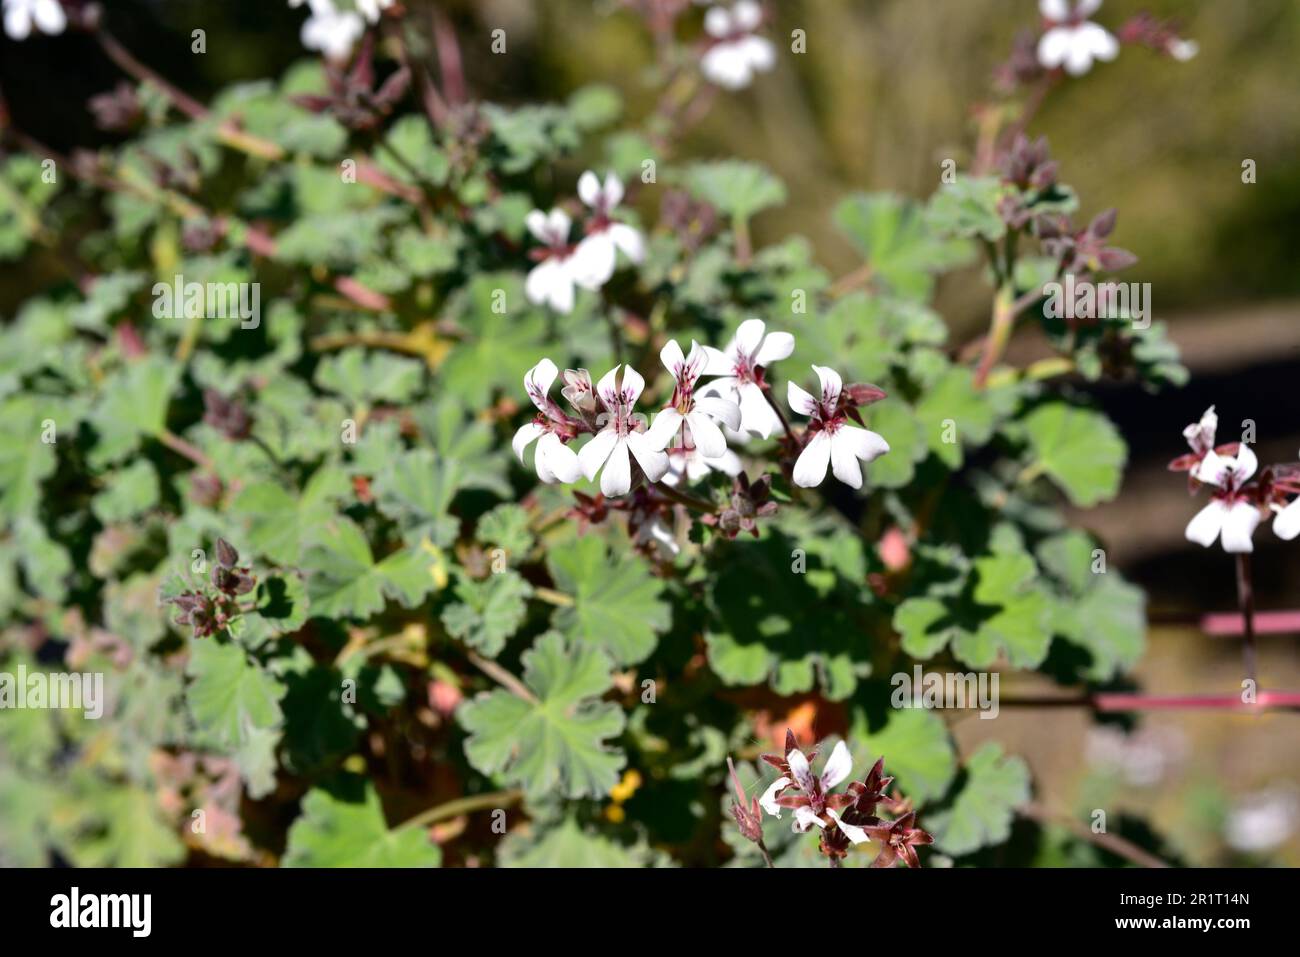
615, 814
438, 567
625, 788
355, 763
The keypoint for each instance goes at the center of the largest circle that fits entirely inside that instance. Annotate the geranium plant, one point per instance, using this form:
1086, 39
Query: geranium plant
488, 494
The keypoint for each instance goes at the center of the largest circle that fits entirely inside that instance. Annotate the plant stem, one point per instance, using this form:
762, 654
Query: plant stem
835, 862
502, 677
464, 805
1246, 598
767, 857
682, 498
1117, 845
785, 423
1003, 322
181, 447
553, 597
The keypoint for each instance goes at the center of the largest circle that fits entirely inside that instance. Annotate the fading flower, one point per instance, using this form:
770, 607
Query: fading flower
1072, 41
736, 52
833, 440
550, 428
740, 367
619, 435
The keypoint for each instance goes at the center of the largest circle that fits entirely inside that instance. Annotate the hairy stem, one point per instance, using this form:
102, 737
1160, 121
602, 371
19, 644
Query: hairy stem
464, 805
502, 677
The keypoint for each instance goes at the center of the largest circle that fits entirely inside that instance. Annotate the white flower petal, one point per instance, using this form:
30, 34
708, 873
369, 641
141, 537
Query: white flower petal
728, 463
538, 380
536, 223
672, 357
616, 479
717, 362
524, 437
49, 17
708, 437
776, 346
1213, 469
654, 463
810, 467
589, 188
863, 443
749, 337
838, 766
594, 454
628, 240
607, 390
768, 801
1056, 10
756, 415
724, 410
1054, 46
831, 382
799, 769
804, 818
558, 223
561, 461
613, 192
633, 385
663, 430
1206, 524
717, 22
854, 833
747, 15
759, 53
1244, 465
800, 399
593, 261
844, 463
1286, 525
1239, 527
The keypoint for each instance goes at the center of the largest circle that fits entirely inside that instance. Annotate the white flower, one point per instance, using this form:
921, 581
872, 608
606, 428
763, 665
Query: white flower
331, 31
372, 10
690, 464
553, 460
20, 15
833, 439
597, 254
736, 53
693, 419
811, 802
1287, 523
1183, 50
1072, 40
619, 436
739, 365
1230, 514
1200, 435
551, 281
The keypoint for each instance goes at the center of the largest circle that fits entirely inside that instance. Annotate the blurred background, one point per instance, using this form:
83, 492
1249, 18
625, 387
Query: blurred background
880, 99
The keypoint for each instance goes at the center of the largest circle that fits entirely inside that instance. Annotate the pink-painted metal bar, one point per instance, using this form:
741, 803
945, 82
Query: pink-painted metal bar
1221, 624
1120, 701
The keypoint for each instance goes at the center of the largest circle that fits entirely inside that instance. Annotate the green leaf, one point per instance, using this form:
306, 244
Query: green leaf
417, 491
969, 208
362, 377
616, 601
570, 845
953, 413
735, 188
982, 813
133, 403
1020, 627
916, 747
892, 234
489, 611
506, 526
351, 831
595, 106
894, 420
1079, 449
128, 492
344, 581
555, 744
277, 522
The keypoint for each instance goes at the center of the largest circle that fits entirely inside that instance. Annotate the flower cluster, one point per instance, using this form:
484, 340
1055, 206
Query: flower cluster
334, 31
563, 265
843, 819
689, 437
20, 16
1072, 42
1240, 498
734, 51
